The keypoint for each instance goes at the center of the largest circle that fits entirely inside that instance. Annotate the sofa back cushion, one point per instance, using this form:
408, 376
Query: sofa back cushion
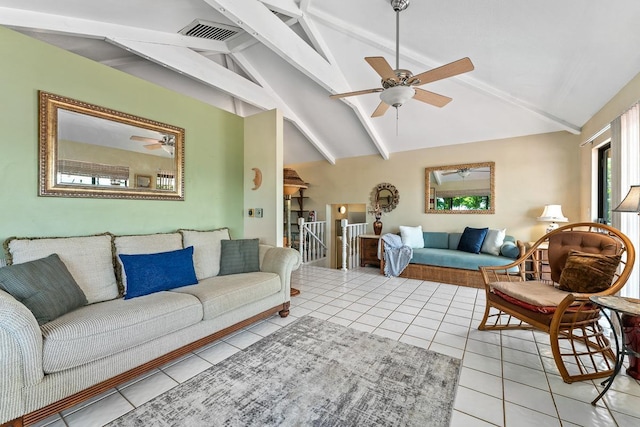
206, 250
454, 240
89, 259
143, 244
436, 240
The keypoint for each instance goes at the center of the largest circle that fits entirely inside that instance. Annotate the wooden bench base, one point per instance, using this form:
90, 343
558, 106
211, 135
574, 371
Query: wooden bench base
453, 276
94, 390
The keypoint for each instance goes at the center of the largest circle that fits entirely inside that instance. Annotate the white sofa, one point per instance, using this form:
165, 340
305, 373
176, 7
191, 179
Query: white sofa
48, 367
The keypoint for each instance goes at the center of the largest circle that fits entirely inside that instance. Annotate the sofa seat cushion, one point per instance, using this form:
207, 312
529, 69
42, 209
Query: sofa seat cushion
99, 330
221, 294
456, 259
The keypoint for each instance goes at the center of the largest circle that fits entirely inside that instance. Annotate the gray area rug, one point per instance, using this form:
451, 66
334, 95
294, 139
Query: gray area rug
312, 373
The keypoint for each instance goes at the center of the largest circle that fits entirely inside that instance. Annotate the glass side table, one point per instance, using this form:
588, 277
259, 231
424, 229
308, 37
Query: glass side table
618, 306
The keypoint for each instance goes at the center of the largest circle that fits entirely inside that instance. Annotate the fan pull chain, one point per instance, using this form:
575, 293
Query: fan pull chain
397, 118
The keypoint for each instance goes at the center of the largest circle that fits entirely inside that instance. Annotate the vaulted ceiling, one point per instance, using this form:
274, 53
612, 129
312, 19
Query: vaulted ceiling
540, 66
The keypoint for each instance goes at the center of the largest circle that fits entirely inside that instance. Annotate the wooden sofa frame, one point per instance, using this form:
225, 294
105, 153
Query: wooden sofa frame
74, 399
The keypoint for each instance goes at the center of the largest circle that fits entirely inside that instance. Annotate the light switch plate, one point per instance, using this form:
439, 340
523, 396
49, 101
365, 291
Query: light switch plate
258, 212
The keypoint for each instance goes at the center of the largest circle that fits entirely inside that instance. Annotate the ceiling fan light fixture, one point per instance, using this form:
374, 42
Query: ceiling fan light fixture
464, 172
397, 95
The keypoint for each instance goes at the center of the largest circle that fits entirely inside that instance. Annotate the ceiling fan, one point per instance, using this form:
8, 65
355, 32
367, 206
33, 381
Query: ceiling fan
399, 85
167, 142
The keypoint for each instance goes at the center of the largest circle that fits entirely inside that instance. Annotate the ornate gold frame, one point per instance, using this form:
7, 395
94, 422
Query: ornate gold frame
428, 185
50, 104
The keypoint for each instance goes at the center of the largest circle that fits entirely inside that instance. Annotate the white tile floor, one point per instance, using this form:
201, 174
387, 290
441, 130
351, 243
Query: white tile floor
507, 379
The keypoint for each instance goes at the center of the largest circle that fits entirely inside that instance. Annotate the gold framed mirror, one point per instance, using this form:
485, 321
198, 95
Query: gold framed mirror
467, 188
90, 151
386, 196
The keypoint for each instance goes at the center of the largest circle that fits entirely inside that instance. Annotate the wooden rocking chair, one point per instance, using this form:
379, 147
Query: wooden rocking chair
531, 298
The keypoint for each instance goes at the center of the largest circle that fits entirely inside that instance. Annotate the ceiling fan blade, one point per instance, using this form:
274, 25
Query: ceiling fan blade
449, 70
382, 108
144, 139
382, 67
431, 97
358, 92
153, 146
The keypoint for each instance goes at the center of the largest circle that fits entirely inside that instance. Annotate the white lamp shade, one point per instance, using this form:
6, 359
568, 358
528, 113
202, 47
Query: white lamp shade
553, 213
397, 95
631, 202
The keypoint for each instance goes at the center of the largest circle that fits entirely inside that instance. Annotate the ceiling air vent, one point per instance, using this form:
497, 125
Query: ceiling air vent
210, 30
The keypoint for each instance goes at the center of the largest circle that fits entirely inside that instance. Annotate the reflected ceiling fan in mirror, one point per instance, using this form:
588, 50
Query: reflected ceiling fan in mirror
167, 142
465, 172
399, 85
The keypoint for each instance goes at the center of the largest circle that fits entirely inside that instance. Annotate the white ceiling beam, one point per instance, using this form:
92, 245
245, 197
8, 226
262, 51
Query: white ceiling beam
259, 22
375, 40
287, 7
197, 67
288, 112
314, 34
57, 24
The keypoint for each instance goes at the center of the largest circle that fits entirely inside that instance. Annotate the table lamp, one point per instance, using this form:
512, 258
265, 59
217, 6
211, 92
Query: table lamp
552, 214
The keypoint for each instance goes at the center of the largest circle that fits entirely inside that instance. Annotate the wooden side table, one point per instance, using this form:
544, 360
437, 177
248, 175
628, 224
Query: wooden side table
369, 250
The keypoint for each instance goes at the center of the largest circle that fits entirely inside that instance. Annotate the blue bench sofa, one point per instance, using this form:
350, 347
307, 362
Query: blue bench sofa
440, 260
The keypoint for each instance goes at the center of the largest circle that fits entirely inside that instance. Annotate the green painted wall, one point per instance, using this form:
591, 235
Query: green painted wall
213, 149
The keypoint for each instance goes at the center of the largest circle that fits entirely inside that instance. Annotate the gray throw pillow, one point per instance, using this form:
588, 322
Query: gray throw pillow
239, 256
44, 286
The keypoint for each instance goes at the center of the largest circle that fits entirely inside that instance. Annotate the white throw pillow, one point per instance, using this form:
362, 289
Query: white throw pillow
207, 248
493, 241
412, 236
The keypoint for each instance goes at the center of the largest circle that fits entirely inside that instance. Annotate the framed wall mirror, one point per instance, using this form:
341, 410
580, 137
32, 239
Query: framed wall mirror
460, 189
90, 151
386, 196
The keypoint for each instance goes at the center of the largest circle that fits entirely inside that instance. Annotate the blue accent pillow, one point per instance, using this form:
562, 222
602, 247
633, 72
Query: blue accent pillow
471, 239
149, 273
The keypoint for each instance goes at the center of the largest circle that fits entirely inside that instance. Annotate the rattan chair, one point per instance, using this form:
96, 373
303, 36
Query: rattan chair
530, 299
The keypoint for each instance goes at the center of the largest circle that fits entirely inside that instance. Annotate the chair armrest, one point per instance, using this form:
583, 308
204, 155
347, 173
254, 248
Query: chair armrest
20, 355
282, 261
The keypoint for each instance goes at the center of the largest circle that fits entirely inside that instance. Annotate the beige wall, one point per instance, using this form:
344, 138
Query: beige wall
263, 149
531, 171
628, 95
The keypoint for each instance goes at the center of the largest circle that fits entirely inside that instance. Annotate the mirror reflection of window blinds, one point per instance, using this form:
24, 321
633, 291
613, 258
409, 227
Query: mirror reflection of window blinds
96, 170
165, 180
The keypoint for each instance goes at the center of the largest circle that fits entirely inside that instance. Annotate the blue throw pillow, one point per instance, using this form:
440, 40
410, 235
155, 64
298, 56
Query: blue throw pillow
149, 273
471, 239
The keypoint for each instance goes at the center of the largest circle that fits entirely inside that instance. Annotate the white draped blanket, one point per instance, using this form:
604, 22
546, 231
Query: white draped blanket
396, 255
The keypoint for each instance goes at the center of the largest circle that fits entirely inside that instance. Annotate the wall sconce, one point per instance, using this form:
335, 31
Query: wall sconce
342, 209
552, 214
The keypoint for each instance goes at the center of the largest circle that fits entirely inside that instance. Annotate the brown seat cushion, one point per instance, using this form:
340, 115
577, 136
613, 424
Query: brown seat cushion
588, 273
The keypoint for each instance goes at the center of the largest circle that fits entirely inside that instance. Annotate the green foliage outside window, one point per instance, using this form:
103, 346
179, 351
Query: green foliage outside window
462, 203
